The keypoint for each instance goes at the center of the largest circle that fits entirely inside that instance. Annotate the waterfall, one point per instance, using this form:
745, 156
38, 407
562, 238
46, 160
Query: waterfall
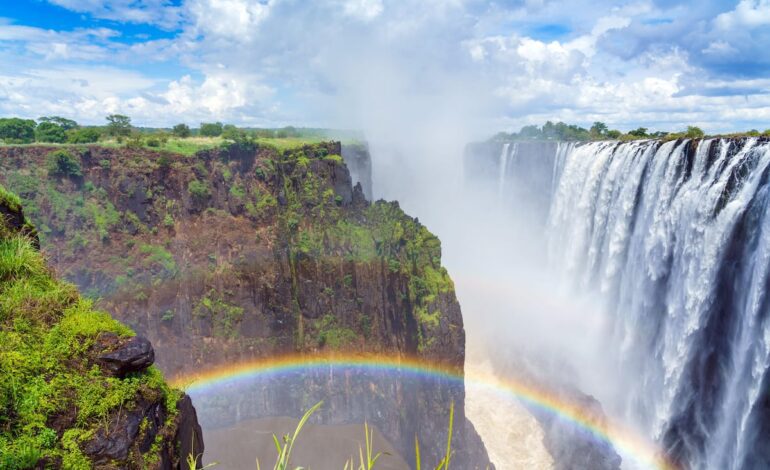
675, 236
506, 155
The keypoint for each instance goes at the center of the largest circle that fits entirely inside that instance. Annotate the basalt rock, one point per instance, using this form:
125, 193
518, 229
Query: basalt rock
246, 252
120, 356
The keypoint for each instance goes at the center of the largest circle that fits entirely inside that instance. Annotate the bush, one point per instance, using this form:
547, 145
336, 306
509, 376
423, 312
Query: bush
17, 131
88, 135
181, 130
153, 142
50, 132
211, 129
694, 132
63, 163
199, 191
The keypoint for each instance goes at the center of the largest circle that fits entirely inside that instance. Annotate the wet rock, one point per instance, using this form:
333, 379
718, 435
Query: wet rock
189, 436
124, 355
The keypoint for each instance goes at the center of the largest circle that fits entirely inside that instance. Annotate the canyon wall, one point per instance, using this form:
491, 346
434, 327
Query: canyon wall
245, 252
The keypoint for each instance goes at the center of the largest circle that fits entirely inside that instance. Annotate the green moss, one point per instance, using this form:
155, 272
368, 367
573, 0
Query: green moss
332, 335
158, 256
225, 317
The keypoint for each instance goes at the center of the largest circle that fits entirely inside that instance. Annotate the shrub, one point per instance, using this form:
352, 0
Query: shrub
135, 142
181, 130
87, 135
63, 163
153, 142
17, 131
199, 191
211, 129
50, 132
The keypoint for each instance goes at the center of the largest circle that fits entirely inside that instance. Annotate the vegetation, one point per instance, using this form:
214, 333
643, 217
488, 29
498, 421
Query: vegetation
118, 125
53, 398
211, 129
63, 163
50, 132
86, 135
600, 131
17, 131
181, 130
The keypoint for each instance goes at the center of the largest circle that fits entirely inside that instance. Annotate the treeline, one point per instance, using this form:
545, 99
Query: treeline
600, 131
56, 129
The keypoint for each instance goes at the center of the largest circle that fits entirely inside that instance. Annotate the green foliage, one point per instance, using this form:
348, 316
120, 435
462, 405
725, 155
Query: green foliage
225, 317
86, 135
181, 130
198, 190
640, 132
158, 256
333, 335
17, 131
694, 132
64, 123
211, 129
50, 132
118, 125
46, 332
284, 450
62, 163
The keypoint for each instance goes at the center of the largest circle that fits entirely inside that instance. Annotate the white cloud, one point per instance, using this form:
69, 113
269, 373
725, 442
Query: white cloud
748, 13
364, 9
159, 12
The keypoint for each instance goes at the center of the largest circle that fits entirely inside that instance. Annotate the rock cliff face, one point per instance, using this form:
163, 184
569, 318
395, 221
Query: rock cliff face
77, 390
246, 252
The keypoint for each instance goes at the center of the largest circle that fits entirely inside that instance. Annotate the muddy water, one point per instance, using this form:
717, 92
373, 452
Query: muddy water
319, 447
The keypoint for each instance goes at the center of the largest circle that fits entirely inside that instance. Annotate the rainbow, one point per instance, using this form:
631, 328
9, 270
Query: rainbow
628, 443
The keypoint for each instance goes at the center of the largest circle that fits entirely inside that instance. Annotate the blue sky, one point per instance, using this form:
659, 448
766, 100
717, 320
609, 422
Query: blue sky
355, 63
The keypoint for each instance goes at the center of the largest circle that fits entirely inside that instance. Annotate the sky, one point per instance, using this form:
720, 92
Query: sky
661, 64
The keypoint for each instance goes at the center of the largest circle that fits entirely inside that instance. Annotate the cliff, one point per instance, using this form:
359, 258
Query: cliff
77, 388
245, 252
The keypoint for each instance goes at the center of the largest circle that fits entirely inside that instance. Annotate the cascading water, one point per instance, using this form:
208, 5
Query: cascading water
676, 238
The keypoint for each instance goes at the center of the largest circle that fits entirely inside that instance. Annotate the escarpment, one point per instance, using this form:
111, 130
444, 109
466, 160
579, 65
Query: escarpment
77, 389
245, 252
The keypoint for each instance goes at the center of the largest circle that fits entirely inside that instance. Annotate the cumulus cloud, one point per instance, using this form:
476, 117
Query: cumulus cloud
374, 62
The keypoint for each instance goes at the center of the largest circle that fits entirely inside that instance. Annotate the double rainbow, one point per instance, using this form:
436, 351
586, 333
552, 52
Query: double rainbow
628, 443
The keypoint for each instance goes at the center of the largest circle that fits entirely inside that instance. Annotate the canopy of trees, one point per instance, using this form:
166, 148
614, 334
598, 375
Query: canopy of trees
181, 130
211, 129
118, 125
17, 131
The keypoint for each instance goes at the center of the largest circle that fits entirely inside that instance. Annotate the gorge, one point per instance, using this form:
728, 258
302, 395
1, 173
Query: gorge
668, 241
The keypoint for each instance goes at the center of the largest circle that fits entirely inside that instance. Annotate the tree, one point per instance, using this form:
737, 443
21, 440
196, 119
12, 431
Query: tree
530, 132
48, 131
694, 132
211, 129
65, 123
181, 130
231, 132
598, 130
118, 125
86, 135
63, 163
17, 131
613, 134
639, 132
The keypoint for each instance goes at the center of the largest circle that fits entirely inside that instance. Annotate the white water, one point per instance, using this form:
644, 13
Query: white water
680, 252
